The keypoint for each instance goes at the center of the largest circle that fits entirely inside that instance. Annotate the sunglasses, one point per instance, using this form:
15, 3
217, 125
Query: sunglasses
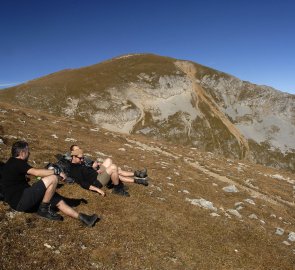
79, 157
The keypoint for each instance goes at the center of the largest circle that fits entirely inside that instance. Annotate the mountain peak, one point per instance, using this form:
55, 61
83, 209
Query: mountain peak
179, 101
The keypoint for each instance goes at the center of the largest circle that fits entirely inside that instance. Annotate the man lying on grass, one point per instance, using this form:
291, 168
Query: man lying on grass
101, 174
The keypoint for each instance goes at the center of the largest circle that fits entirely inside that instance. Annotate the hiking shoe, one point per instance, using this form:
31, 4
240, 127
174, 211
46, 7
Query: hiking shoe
121, 192
141, 174
141, 181
122, 185
88, 220
109, 185
49, 214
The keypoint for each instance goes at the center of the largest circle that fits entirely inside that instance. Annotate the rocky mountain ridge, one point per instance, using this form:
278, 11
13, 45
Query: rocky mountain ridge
179, 101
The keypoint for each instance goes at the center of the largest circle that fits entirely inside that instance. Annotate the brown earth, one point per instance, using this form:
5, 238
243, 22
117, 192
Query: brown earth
156, 227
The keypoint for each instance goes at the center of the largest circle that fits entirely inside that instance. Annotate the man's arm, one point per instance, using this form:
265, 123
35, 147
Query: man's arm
98, 190
43, 172
40, 172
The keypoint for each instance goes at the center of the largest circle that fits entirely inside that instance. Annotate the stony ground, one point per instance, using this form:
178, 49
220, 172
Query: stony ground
200, 211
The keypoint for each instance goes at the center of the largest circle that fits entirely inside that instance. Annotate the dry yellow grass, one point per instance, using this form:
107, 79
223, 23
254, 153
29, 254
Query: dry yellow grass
155, 228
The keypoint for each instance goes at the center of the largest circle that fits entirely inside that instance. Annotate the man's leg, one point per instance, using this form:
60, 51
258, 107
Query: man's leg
125, 173
57, 201
66, 209
112, 170
138, 177
32, 197
50, 183
39, 195
137, 174
107, 162
126, 179
140, 181
88, 220
45, 209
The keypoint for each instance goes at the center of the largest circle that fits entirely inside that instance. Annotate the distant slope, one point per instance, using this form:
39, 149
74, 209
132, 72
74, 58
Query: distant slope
179, 101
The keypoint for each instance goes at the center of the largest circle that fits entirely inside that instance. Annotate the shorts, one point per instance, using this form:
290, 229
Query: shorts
33, 196
103, 178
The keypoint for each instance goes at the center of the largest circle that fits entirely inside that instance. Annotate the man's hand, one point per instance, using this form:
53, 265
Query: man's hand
100, 171
101, 192
94, 165
63, 176
98, 190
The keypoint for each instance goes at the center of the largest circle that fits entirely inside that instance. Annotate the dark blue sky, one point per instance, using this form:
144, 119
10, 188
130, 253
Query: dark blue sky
252, 40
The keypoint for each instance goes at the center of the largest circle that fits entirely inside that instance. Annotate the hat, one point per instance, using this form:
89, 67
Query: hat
77, 152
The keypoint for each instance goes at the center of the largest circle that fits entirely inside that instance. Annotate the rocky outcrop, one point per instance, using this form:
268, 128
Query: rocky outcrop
263, 115
179, 101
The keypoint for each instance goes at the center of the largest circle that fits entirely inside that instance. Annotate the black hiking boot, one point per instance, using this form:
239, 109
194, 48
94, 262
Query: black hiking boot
119, 190
46, 212
88, 220
142, 181
141, 174
121, 184
110, 185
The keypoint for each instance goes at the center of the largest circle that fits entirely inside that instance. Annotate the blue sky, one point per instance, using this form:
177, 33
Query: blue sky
252, 40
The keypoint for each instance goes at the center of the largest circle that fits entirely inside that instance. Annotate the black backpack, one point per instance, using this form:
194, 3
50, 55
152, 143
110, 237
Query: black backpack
63, 165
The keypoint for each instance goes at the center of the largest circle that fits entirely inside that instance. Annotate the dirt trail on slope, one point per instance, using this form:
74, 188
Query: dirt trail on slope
266, 197
190, 71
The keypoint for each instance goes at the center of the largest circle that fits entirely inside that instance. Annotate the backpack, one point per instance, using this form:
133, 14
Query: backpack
64, 165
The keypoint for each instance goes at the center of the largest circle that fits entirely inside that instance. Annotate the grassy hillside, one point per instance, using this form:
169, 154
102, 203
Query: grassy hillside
163, 226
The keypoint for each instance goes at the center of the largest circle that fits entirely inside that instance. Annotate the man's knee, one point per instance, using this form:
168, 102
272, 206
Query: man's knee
107, 162
112, 169
49, 180
61, 203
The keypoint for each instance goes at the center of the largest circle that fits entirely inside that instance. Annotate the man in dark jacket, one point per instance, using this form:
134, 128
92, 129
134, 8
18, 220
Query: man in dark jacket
26, 198
94, 180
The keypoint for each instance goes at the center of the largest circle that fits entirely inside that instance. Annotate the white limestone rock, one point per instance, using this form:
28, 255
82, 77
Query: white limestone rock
214, 215
250, 201
291, 236
202, 203
279, 231
70, 140
231, 189
253, 216
234, 212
